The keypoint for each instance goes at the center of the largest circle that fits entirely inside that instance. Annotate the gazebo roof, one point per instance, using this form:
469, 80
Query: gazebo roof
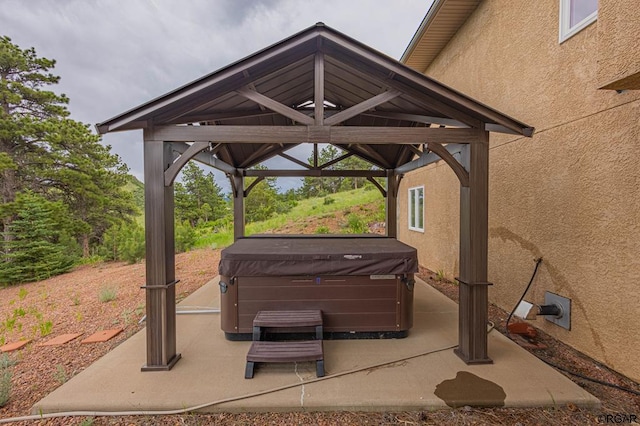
318, 86
282, 86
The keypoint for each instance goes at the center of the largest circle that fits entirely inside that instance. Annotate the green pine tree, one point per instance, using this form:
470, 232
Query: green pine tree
89, 179
198, 198
321, 186
40, 246
43, 151
264, 200
26, 114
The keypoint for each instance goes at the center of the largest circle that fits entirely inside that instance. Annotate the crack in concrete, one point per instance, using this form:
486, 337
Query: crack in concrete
302, 387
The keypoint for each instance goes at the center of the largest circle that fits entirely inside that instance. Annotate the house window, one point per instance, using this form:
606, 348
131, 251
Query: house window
416, 208
576, 15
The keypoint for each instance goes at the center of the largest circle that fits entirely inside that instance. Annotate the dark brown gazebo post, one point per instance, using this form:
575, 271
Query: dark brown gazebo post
473, 291
160, 258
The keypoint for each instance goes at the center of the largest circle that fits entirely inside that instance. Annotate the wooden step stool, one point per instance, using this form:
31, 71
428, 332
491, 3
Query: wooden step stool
290, 351
296, 351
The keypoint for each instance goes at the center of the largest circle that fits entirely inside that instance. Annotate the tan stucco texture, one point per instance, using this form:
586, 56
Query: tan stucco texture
570, 194
619, 44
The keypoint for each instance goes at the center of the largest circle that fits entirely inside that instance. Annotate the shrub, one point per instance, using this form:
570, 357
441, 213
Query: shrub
133, 245
46, 327
124, 241
5, 386
356, 225
107, 294
6, 362
5, 378
328, 200
185, 237
60, 374
322, 230
36, 244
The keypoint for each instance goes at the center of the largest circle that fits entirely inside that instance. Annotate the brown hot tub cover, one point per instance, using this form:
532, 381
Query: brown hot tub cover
299, 256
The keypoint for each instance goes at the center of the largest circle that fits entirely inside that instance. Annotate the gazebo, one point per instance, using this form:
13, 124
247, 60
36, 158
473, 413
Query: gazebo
318, 86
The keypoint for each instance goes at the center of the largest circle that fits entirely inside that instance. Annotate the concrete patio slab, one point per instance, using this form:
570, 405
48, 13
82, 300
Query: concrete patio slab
416, 373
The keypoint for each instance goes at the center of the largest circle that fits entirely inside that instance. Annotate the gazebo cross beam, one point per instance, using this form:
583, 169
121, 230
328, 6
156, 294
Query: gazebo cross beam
366, 135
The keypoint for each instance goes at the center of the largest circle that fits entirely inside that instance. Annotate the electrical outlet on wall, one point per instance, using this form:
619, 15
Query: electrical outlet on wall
563, 320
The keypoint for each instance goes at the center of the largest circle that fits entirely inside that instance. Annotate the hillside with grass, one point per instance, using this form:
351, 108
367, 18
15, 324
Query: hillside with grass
359, 211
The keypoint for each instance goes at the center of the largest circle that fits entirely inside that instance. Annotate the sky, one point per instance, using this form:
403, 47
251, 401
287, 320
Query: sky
113, 55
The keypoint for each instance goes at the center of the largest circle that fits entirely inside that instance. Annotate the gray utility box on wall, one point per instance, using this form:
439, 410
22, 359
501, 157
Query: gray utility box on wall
564, 319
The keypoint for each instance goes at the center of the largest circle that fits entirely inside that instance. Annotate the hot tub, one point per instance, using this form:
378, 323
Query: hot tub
362, 285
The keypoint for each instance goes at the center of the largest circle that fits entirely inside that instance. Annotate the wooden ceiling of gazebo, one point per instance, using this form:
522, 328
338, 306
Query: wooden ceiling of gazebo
332, 89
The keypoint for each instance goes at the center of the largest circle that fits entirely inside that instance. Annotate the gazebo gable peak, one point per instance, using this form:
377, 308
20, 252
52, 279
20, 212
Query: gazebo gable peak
286, 73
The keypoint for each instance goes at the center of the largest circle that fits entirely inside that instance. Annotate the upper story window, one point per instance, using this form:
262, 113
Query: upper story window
576, 15
416, 208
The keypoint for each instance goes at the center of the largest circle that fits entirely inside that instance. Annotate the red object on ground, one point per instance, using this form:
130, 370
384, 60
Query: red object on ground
14, 346
102, 336
523, 329
60, 340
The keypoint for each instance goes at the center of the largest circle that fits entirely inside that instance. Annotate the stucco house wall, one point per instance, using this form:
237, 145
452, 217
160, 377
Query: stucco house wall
618, 58
570, 194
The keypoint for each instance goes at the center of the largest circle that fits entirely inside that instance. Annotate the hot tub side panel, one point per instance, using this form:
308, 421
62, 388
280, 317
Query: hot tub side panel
375, 303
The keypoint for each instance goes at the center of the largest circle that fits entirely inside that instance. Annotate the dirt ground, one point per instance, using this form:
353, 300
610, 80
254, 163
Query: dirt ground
71, 303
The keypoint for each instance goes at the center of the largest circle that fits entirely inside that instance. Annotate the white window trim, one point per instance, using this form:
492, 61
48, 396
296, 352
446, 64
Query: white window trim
566, 31
415, 228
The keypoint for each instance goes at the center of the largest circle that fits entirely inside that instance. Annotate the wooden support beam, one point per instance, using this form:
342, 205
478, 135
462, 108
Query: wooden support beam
392, 205
272, 153
473, 289
248, 161
377, 185
198, 117
254, 183
417, 118
173, 170
362, 107
360, 153
294, 160
457, 168
414, 149
427, 158
318, 88
160, 259
380, 160
315, 173
400, 135
238, 205
335, 160
205, 158
276, 106
366, 135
